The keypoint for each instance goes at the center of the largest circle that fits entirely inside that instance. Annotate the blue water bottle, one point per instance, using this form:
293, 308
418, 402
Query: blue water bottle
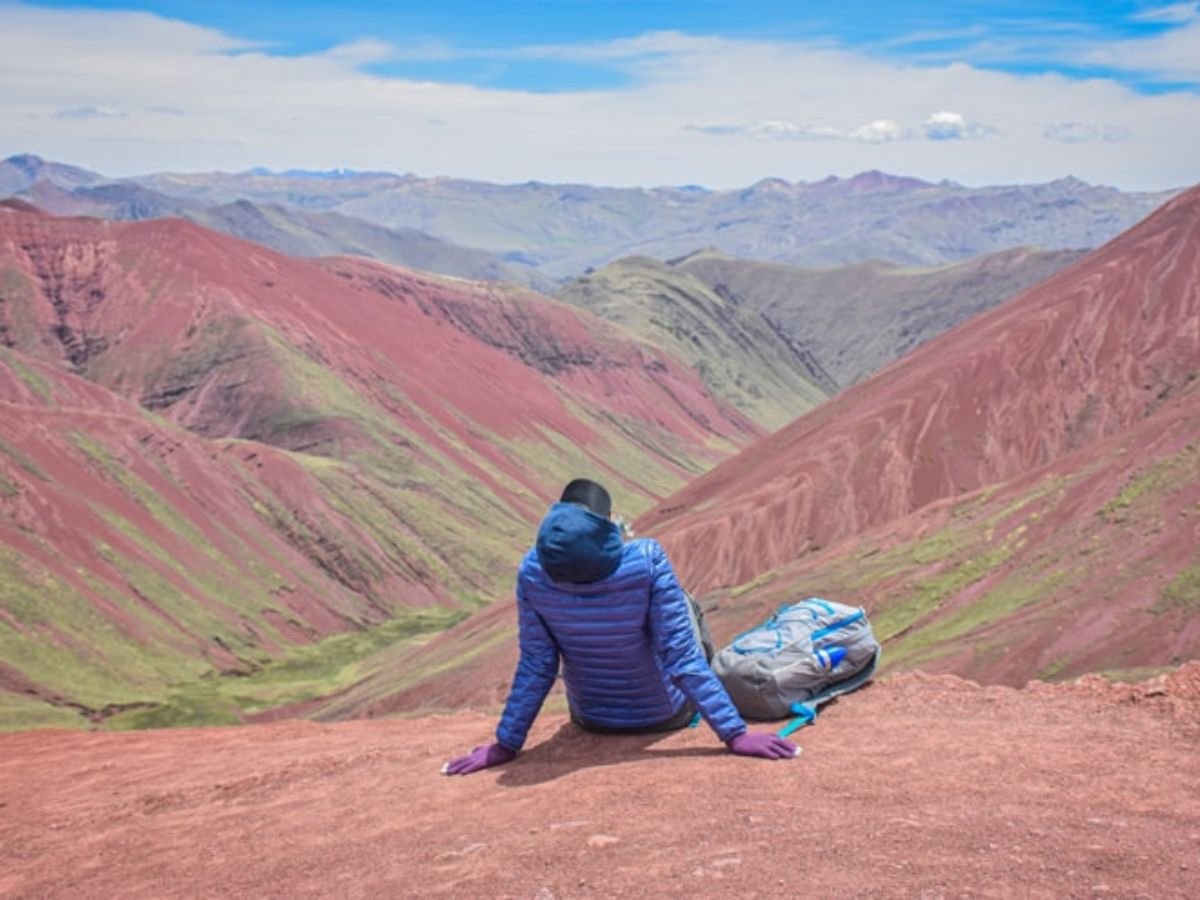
828, 659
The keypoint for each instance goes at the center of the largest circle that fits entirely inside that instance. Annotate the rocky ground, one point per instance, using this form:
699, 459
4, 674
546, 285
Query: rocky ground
917, 786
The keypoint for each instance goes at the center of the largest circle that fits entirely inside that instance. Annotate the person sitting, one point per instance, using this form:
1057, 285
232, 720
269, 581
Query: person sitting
612, 612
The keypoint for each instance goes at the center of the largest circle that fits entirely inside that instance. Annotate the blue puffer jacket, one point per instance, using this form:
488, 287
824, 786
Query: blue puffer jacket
616, 616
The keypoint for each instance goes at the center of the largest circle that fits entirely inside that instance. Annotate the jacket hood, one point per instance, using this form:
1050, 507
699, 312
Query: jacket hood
577, 546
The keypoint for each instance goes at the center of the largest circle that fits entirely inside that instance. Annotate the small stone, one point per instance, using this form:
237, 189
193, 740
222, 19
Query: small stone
602, 840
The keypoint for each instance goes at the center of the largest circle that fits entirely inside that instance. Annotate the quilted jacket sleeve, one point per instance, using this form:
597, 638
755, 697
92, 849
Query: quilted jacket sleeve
680, 653
536, 671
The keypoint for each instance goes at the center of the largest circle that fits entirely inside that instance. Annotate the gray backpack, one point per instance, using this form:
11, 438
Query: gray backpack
803, 656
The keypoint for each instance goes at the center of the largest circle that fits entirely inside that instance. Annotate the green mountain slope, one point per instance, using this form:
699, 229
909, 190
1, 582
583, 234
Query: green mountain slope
856, 319
740, 356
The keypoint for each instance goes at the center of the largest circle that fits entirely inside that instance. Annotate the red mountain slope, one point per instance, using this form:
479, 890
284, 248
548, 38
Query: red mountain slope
135, 556
399, 433
1087, 353
131, 304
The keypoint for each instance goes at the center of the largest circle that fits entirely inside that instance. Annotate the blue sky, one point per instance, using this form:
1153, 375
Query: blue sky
475, 35
711, 92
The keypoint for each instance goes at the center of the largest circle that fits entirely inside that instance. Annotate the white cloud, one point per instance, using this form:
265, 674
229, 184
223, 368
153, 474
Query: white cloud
1084, 132
952, 126
808, 109
878, 131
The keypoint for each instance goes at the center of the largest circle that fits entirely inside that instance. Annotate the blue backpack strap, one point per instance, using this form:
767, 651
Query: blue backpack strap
806, 713
829, 629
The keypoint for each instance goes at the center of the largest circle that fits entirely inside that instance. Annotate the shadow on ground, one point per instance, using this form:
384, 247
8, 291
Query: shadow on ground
571, 749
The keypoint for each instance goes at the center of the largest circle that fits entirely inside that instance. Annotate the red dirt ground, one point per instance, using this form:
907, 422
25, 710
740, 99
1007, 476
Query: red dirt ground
918, 786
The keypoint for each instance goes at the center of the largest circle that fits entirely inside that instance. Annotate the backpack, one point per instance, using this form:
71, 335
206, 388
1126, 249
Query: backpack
803, 656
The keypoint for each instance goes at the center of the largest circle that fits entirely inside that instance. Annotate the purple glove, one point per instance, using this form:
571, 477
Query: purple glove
768, 746
479, 758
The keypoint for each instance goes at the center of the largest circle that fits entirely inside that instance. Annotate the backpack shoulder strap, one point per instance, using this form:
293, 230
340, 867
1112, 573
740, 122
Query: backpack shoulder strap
806, 713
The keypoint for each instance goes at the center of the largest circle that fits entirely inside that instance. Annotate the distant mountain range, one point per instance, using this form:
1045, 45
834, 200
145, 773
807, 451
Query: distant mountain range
550, 232
287, 229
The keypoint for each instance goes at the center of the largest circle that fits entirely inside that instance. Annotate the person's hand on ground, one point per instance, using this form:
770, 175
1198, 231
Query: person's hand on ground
764, 745
480, 758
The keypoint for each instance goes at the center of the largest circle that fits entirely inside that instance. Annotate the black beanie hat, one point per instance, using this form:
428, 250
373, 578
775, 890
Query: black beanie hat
588, 493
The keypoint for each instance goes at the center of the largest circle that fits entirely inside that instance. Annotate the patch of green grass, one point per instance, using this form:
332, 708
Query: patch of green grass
1183, 593
755, 583
933, 591
20, 712
193, 706
935, 548
320, 669
1055, 669
1134, 674
999, 601
306, 673
1161, 476
404, 677
63, 643
37, 385
121, 473
23, 461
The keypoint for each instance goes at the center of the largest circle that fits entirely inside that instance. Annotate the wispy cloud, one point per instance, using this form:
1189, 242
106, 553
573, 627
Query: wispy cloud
90, 112
875, 132
1176, 13
1148, 49
941, 126
1085, 133
1171, 56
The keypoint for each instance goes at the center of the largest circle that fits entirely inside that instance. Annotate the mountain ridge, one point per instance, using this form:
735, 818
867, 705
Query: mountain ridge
561, 230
